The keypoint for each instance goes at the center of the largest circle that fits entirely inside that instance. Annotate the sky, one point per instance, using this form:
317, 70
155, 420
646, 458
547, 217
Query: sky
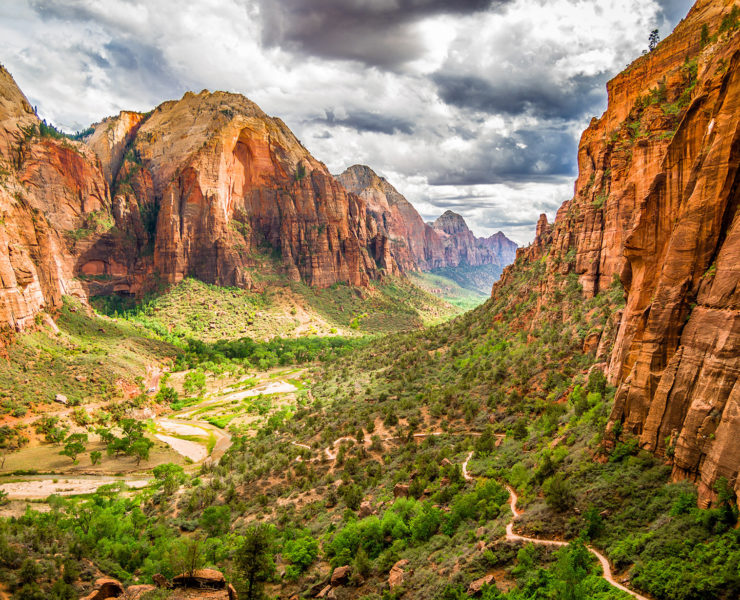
475, 106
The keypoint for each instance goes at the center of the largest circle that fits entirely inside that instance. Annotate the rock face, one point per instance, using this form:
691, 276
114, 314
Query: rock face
656, 207
200, 579
461, 247
49, 191
199, 187
209, 180
422, 246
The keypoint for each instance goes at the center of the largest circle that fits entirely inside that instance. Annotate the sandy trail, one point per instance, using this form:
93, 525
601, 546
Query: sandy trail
513, 537
510, 535
40, 489
331, 454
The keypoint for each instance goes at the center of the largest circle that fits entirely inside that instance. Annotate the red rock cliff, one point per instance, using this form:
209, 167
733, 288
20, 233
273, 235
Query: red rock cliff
209, 180
52, 197
656, 205
448, 242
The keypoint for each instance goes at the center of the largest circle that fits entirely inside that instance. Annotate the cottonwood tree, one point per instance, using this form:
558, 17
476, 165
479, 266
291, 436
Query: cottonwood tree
254, 562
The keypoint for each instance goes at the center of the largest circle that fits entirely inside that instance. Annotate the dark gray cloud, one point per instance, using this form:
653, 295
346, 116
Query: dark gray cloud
367, 121
529, 155
518, 94
369, 31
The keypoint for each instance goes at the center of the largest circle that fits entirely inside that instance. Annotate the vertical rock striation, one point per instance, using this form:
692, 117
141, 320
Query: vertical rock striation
656, 207
448, 242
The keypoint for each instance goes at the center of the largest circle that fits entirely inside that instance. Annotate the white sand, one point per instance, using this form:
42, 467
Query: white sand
43, 488
274, 387
192, 450
180, 428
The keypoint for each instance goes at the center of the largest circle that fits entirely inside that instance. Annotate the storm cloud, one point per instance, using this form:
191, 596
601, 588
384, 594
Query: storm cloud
475, 105
374, 32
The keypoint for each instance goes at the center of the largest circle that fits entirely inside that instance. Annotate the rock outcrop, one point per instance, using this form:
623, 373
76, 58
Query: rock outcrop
50, 190
656, 208
461, 247
448, 242
206, 186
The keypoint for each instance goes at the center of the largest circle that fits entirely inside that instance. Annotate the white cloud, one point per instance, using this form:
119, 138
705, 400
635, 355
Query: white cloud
482, 116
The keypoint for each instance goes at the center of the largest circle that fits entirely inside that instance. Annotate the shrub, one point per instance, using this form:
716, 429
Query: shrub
300, 553
425, 524
558, 493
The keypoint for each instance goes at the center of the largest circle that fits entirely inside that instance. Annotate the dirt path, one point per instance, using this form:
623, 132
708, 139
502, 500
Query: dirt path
465, 473
513, 537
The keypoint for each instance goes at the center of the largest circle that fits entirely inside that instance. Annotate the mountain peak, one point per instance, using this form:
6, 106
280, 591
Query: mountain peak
451, 223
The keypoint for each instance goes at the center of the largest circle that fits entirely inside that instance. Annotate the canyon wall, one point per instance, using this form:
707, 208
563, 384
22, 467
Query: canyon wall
49, 188
656, 209
448, 242
208, 186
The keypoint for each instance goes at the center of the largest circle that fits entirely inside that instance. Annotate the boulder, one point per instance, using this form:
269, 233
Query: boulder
476, 586
400, 490
105, 587
324, 592
161, 581
61, 399
340, 575
366, 510
395, 577
232, 593
201, 579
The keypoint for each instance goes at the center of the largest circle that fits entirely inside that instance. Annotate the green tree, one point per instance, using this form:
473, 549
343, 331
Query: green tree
570, 571
352, 495
653, 40
593, 522
704, 40
170, 476
519, 431
361, 565
74, 445
216, 520
167, 395
253, 561
300, 553
140, 449
95, 456
195, 382
425, 524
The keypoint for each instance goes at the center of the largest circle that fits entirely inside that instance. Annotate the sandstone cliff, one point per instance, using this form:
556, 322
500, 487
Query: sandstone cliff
199, 187
656, 207
463, 248
448, 242
209, 180
50, 190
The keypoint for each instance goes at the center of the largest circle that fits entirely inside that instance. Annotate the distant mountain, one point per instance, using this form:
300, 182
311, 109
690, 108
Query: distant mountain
445, 243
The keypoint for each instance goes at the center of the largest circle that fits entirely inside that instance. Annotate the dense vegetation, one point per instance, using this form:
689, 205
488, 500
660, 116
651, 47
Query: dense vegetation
378, 479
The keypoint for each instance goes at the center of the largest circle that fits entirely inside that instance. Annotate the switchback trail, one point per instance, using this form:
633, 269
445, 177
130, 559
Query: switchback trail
513, 537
